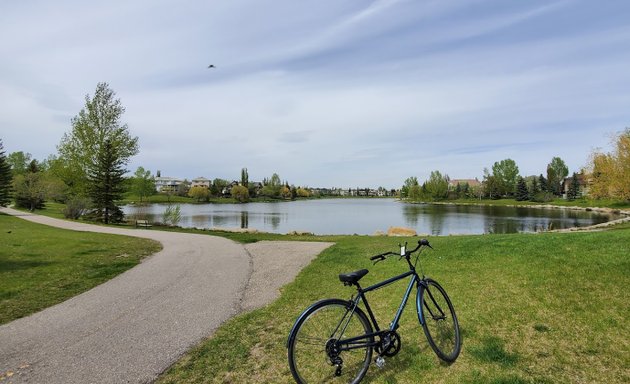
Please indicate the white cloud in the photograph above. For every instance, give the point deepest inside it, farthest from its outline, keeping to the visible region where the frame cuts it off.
(323, 93)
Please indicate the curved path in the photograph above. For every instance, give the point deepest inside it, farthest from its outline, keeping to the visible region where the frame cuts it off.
(133, 327)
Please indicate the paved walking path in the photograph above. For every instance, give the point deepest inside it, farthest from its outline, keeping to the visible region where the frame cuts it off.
(133, 327)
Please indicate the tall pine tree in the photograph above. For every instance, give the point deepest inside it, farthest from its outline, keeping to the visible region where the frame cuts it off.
(106, 184)
(574, 187)
(6, 179)
(543, 183)
(522, 193)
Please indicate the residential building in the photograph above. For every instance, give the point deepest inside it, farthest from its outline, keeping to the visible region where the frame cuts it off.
(583, 183)
(472, 183)
(201, 182)
(167, 184)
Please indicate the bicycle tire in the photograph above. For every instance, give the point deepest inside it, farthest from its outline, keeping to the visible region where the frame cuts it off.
(439, 321)
(308, 359)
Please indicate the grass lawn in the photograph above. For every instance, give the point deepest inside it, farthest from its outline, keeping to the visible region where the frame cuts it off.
(544, 308)
(41, 266)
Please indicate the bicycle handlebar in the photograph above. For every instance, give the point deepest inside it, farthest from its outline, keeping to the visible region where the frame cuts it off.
(383, 256)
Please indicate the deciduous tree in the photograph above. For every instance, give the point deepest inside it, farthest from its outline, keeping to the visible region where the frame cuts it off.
(142, 183)
(410, 183)
(199, 193)
(506, 174)
(556, 172)
(19, 162)
(437, 185)
(240, 193)
(611, 171)
(98, 122)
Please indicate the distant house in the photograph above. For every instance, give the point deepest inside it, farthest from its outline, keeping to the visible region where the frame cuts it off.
(583, 183)
(227, 191)
(167, 184)
(472, 183)
(201, 182)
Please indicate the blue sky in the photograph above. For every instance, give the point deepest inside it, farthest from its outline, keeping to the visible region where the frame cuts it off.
(324, 93)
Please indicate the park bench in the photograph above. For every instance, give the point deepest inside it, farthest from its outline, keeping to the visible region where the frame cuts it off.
(143, 224)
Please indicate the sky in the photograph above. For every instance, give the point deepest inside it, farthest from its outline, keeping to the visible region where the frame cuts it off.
(326, 93)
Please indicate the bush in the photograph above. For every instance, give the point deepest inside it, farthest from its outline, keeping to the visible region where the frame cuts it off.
(240, 193)
(172, 215)
(543, 197)
(76, 207)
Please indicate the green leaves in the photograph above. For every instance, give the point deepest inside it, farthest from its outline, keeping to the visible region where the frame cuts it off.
(98, 122)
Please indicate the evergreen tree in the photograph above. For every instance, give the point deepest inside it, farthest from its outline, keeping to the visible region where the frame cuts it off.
(574, 187)
(543, 183)
(6, 179)
(522, 193)
(535, 188)
(106, 184)
(99, 121)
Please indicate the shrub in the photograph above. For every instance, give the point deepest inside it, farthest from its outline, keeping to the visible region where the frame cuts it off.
(240, 193)
(172, 215)
(543, 197)
(76, 207)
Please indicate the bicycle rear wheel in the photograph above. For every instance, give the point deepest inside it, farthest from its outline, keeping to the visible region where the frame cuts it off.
(314, 356)
(438, 319)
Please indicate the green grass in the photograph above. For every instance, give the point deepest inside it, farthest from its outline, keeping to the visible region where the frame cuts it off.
(41, 266)
(545, 308)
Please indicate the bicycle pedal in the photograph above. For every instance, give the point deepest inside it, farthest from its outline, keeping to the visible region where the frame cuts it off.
(380, 362)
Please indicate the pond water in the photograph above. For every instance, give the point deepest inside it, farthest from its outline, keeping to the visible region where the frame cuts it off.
(366, 216)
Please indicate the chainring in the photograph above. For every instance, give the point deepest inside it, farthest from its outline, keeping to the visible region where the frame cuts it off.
(390, 344)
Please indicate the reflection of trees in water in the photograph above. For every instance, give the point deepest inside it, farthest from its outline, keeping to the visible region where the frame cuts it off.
(199, 221)
(244, 219)
(434, 214)
(436, 220)
(503, 225)
(273, 219)
(219, 220)
(412, 212)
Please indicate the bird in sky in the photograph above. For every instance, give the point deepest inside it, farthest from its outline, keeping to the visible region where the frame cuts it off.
(211, 66)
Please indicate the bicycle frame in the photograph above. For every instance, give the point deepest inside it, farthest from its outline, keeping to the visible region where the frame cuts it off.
(356, 342)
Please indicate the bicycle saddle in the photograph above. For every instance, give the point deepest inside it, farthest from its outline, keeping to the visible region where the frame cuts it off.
(352, 277)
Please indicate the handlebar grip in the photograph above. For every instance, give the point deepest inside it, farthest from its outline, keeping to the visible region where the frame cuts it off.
(376, 257)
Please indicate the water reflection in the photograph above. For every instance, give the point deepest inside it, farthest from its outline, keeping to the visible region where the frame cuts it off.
(365, 216)
(273, 219)
(244, 220)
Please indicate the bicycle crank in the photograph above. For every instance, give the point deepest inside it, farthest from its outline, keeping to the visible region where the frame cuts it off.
(390, 344)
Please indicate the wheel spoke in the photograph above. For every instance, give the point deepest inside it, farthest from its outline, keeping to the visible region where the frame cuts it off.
(315, 357)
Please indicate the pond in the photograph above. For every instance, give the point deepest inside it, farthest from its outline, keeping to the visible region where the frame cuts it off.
(367, 216)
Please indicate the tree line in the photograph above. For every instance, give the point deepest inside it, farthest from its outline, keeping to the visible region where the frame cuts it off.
(87, 173)
(244, 190)
(607, 175)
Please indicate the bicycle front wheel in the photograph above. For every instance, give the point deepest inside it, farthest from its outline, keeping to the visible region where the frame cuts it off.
(438, 319)
(316, 350)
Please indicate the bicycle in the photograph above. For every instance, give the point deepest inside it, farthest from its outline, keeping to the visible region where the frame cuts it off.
(334, 339)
